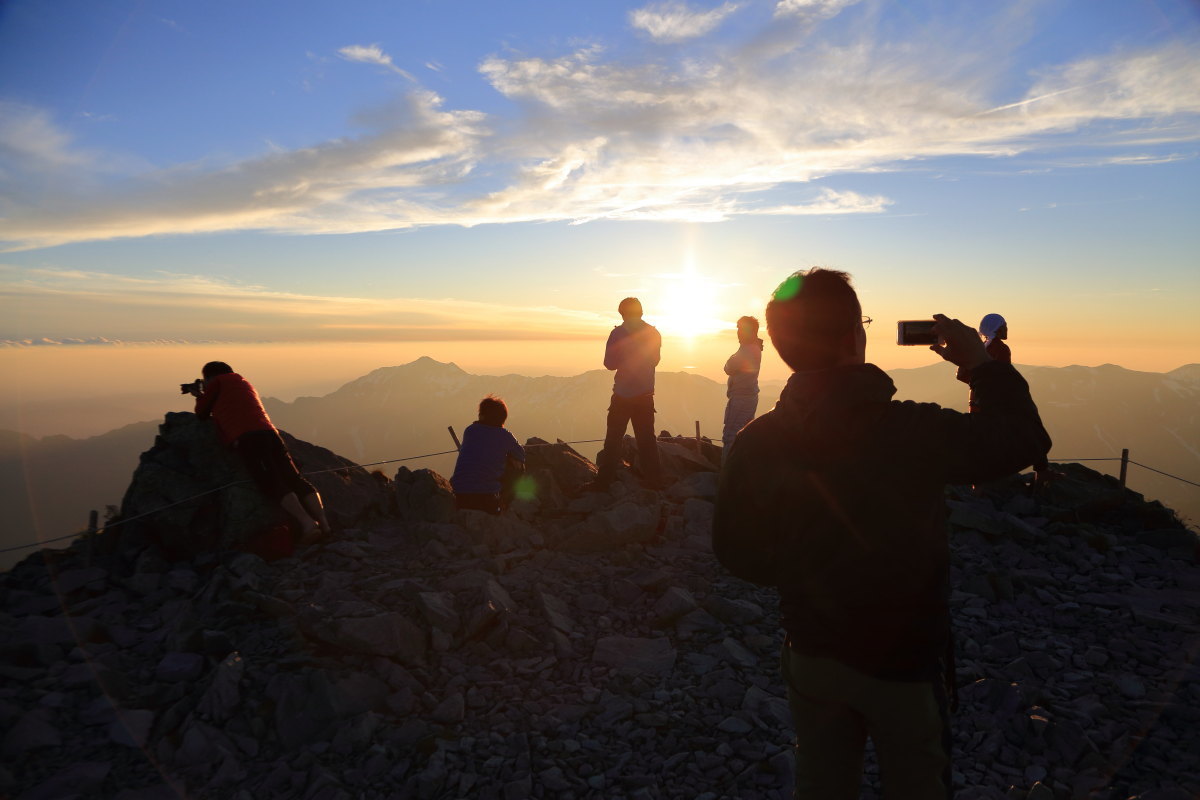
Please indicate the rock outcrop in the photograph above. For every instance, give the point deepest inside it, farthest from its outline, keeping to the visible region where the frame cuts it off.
(590, 647)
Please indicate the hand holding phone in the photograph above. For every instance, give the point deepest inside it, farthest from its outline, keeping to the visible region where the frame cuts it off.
(958, 343)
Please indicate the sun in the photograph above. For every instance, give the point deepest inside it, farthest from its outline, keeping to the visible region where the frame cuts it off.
(688, 306)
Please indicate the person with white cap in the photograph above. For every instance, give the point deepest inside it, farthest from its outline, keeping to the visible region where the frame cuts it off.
(994, 330)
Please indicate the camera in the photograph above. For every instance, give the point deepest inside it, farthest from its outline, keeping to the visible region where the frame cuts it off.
(916, 332)
(186, 388)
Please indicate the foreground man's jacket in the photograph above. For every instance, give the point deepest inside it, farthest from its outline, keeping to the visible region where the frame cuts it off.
(837, 497)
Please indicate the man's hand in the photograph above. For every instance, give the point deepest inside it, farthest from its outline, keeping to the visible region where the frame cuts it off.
(960, 345)
(196, 389)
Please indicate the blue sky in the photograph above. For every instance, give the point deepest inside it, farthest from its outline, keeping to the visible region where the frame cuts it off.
(290, 171)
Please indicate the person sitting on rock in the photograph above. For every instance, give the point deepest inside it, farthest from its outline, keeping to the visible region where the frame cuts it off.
(742, 393)
(243, 424)
(487, 449)
(837, 498)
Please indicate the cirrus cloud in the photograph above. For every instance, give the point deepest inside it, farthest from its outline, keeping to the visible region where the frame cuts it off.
(673, 21)
(671, 135)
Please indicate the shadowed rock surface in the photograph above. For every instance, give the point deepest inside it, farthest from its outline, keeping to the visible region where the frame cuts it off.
(428, 653)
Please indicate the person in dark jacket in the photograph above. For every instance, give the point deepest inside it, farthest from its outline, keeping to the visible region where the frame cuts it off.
(994, 330)
(633, 351)
(742, 392)
(243, 424)
(836, 498)
(486, 453)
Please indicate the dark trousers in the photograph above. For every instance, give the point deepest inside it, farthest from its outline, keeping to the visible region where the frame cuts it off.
(270, 465)
(622, 411)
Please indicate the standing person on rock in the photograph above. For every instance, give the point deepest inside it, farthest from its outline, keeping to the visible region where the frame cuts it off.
(742, 392)
(633, 351)
(243, 425)
(836, 497)
(487, 449)
(994, 330)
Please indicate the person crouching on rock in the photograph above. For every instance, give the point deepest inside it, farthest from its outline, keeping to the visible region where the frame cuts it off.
(487, 448)
(243, 424)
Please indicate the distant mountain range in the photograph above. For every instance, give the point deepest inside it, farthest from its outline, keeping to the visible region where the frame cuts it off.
(48, 485)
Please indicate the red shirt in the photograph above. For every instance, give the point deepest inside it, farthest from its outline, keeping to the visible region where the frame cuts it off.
(233, 405)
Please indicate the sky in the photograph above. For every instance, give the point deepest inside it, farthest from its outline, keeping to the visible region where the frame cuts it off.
(482, 182)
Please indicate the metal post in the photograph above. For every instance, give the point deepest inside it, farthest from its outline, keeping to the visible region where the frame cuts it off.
(697, 436)
(1124, 465)
(454, 436)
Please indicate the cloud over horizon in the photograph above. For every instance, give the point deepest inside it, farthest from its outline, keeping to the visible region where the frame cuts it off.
(98, 308)
(699, 135)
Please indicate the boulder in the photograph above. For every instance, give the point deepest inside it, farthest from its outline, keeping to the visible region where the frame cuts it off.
(423, 496)
(569, 470)
(190, 494)
(649, 656)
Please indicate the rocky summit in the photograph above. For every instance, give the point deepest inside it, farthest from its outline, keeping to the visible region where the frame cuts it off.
(586, 644)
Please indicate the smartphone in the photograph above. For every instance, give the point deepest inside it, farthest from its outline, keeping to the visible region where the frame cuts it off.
(916, 331)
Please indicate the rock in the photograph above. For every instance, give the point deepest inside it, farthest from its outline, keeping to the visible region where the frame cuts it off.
(177, 667)
(33, 731)
(80, 779)
(735, 611)
(423, 495)
(700, 485)
(451, 710)
(673, 604)
(438, 609)
(698, 516)
(556, 613)
(649, 656)
(131, 728)
(1131, 686)
(385, 634)
(623, 524)
(304, 707)
(221, 698)
(568, 469)
(73, 580)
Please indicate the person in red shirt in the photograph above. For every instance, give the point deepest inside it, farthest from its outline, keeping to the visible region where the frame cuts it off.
(243, 424)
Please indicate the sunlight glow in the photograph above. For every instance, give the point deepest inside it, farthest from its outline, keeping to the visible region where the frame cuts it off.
(688, 305)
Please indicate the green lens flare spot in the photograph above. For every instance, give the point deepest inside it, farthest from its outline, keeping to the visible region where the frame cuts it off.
(525, 488)
(789, 288)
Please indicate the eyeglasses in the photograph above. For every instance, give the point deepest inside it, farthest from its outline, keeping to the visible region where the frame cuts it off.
(866, 322)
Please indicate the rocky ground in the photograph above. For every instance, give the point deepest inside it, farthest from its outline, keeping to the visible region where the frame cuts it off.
(586, 645)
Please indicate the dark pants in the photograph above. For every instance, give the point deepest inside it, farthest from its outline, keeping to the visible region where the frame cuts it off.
(474, 501)
(270, 465)
(835, 708)
(622, 411)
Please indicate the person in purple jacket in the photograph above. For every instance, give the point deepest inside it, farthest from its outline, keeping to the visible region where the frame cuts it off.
(632, 351)
(487, 448)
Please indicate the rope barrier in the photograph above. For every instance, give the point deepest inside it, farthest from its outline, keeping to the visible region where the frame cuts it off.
(446, 453)
(1169, 475)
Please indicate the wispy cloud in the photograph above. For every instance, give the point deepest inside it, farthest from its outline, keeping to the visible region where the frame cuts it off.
(103, 307)
(812, 10)
(371, 54)
(674, 21)
(696, 136)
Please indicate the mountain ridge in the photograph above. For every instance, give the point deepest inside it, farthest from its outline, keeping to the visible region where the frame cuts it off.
(404, 410)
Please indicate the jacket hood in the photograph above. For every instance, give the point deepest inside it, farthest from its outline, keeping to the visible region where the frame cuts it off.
(828, 413)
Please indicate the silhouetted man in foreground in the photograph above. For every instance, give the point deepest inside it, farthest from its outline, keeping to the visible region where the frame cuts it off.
(633, 350)
(836, 498)
(243, 425)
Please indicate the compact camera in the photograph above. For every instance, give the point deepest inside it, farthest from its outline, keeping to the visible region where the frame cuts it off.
(916, 331)
(186, 388)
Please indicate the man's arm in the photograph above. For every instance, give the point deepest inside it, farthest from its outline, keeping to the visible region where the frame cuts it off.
(207, 398)
(657, 348)
(612, 351)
